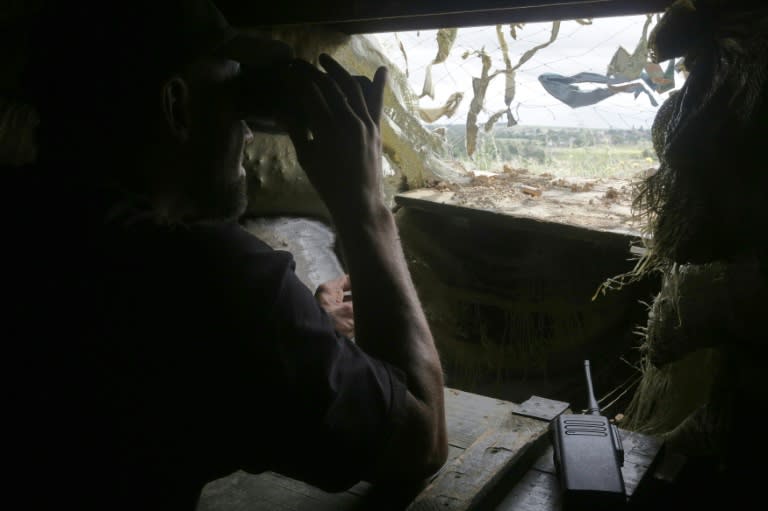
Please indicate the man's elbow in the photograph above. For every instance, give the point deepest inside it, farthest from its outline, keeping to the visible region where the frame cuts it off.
(436, 457)
(420, 448)
(431, 428)
(420, 465)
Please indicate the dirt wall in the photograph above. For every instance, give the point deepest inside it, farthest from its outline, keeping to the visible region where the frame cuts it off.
(511, 308)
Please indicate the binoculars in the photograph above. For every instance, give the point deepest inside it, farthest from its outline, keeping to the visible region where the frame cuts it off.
(264, 96)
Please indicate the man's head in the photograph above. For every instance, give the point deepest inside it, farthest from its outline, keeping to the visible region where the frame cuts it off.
(146, 96)
(196, 162)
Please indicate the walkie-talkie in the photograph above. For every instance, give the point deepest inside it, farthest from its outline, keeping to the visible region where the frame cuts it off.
(588, 456)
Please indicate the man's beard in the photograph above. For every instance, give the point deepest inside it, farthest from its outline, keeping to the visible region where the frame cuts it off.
(225, 201)
(203, 202)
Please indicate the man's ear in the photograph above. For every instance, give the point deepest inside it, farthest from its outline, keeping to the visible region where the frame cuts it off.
(176, 105)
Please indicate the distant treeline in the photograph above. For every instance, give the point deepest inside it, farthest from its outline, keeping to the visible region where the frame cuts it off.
(531, 142)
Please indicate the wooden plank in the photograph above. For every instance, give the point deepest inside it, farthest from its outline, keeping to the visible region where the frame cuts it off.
(441, 203)
(469, 415)
(536, 491)
(360, 489)
(363, 488)
(270, 491)
(363, 16)
(640, 455)
(545, 462)
(469, 480)
(496, 455)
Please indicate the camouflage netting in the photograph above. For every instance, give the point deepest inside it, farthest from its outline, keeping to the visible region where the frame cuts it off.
(707, 217)
(705, 202)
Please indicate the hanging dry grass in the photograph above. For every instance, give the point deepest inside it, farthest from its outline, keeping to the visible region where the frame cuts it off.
(704, 211)
(706, 201)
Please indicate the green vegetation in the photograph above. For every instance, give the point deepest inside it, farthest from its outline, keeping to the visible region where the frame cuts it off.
(563, 152)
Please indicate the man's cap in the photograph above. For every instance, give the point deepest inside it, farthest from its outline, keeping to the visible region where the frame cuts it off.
(79, 42)
(189, 29)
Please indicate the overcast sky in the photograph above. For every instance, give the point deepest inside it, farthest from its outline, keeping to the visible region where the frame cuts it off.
(578, 48)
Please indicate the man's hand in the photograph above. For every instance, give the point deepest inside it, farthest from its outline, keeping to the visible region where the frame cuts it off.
(337, 140)
(331, 297)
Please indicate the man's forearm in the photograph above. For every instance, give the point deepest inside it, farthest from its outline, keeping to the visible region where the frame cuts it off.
(390, 325)
(389, 320)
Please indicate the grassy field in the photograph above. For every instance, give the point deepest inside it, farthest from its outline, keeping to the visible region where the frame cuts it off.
(620, 161)
(562, 152)
(597, 161)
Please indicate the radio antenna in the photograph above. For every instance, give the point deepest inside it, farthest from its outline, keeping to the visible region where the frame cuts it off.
(593, 409)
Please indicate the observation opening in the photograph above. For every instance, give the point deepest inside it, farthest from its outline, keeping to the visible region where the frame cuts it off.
(550, 121)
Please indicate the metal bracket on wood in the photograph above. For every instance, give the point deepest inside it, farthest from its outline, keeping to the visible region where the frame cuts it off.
(540, 408)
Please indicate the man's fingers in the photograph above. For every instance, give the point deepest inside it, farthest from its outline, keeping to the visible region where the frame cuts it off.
(346, 309)
(343, 317)
(342, 283)
(348, 85)
(334, 291)
(346, 283)
(365, 87)
(311, 94)
(299, 135)
(373, 92)
(319, 110)
(312, 118)
(334, 98)
(376, 95)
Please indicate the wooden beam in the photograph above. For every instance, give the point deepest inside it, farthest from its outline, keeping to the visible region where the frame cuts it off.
(368, 16)
(492, 457)
(440, 203)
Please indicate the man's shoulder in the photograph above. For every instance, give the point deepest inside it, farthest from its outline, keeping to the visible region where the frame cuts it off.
(231, 248)
(233, 237)
(221, 240)
(228, 236)
(216, 255)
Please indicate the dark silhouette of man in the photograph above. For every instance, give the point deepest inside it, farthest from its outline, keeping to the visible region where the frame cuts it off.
(156, 345)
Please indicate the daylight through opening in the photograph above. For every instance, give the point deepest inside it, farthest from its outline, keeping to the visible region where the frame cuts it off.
(544, 120)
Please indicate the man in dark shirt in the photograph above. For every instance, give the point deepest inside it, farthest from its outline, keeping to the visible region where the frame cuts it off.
(163, 346)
